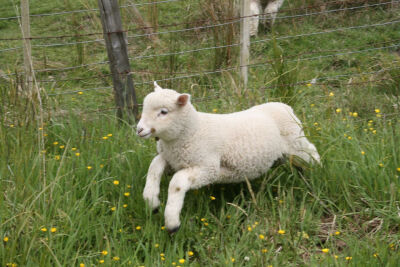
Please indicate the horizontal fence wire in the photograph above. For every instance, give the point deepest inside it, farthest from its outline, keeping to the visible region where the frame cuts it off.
(310, 81)
(88, 10)
(223, 46)
(187, 29)
(194, 28)
(174, 73)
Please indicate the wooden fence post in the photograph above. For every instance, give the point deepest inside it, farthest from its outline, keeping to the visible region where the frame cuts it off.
(244, 40)
(26, 43)
(114, 36)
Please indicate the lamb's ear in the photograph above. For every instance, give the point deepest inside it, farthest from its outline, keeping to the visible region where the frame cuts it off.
(157, 88)
(183, 99)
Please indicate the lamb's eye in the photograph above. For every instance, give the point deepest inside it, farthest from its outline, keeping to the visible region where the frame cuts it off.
(164, 111)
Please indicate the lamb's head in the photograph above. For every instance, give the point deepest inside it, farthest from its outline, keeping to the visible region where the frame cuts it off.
(165, 113)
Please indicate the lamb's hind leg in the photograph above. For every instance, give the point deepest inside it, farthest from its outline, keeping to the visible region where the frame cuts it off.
(181, 182)
(271, 11)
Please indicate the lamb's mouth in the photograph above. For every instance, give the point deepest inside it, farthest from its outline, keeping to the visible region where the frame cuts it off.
(145, 135)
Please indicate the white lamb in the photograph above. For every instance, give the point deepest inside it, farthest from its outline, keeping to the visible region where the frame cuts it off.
(270, 7)
(205, 148)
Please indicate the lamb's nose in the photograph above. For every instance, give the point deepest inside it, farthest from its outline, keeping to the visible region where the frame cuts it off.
(139, 130)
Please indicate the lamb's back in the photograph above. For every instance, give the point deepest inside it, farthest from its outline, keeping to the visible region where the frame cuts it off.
(248, 142)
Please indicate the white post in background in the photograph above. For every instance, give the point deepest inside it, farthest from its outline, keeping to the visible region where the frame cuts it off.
(26, 34)
(244, 40)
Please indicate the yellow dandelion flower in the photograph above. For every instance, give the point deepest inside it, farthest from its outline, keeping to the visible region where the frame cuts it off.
(77, 154)
(336, 256)
(82, 265)
(53, 229)
(232, 259)
(128, 186)
(163, 228)
(162, 255)
(249, 228)
(215, 110)
(212, 198)
(57, 157)
(116, 182)
(348, 258)
(62, 146)
(331, 94)
(281, 232)
(156, 245)
(261, 236)
(378, 115)
(337, 233)
(80, 93)
(264, 250)
(355, 114)
(101, 261)
(109, 135)
(377, 110)
(182, 261)
(105, 137)
(5, 239)
(305, 235)
(374, 131)
(116, 258)
(206, 224)
(349, 137)
(89, 167)
(101, 165)
(125, 205)
(127, 194)
(163, 258)
(338, 110)
(228, 216)
(104, 252)
(325, 250)
(55, 143)
(44, 229)
(375, 255)
(381, 165)
(12, 125)
(74, 148)
(190, 253)
(363, 152)
(138, 228)
(398, 169)
(45, 135)
(203, 219)
(309, 84)
(113, 208)
(312, 105)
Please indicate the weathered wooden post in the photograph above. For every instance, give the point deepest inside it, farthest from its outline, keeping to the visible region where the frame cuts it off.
(26, 44)
(244, 40)
(114, 36)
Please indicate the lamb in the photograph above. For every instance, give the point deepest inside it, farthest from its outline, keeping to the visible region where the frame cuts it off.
(270, 7)
(205, 148)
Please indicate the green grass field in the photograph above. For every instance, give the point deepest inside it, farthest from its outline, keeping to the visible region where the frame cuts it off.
(71, 176)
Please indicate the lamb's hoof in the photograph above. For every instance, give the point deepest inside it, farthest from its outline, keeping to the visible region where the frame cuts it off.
(156, 210)
(173, 230)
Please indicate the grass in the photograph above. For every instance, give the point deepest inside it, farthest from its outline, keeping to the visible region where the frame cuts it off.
(344, 212)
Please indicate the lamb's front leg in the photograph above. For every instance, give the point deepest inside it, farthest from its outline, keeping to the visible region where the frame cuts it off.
(152, 187)
(181, 182)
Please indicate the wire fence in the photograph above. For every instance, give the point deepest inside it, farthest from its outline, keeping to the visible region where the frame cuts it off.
(204, 25)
